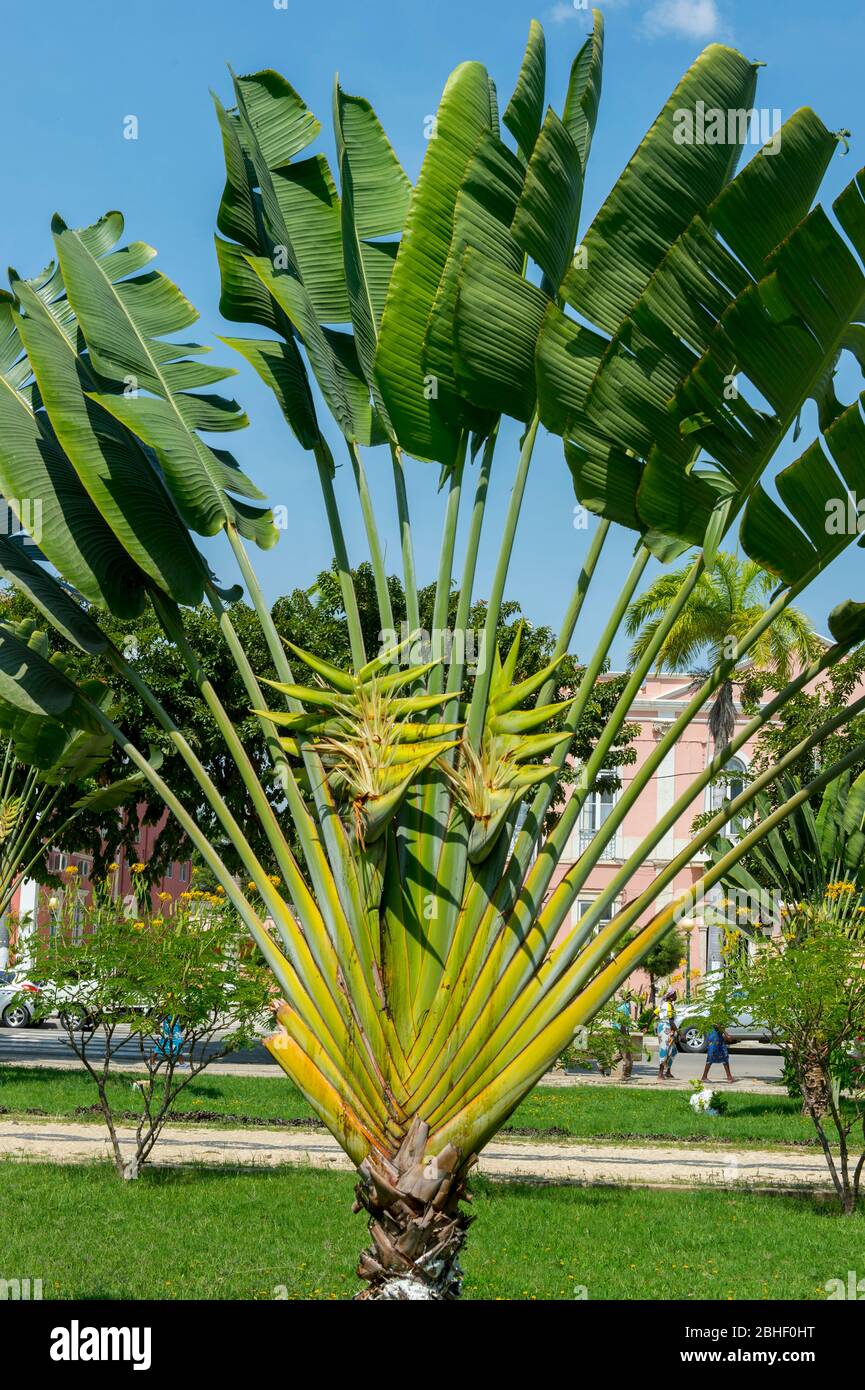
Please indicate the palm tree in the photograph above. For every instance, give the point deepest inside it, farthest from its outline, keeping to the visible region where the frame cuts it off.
(429, 975)
(724, 604)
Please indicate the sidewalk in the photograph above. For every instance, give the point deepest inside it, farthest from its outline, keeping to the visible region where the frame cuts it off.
(645, 1074)
(649, 1166)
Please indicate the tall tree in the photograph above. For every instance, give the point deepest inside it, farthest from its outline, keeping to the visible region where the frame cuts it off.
(430, 971)
(725, 603)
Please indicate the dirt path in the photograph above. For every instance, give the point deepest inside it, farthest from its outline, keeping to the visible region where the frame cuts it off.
(649, 1166)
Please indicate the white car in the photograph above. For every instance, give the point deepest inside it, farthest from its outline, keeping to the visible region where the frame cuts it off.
(17, 999)
(690, 1023)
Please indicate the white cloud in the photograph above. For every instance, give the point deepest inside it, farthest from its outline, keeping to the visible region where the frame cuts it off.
(683, 19)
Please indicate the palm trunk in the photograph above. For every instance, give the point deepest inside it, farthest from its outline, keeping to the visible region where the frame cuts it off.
(416, 1224)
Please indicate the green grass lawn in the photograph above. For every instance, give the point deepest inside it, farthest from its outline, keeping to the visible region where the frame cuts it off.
(214, 1233)
(584, 1112)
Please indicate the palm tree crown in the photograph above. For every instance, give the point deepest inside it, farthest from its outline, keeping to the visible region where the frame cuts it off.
(725, 602)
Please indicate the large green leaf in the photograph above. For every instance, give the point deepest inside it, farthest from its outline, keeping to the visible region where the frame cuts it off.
(624, 398)
(584, 89)
(485, 209)
(409, 395)
(332, 354)
(110, 462)
(375, 197)
(499, 317)
(46, 594)
(665, 184)
(288, 220)
(34, 469)
(524, 111)
(784, 334)
(280, 367)
(34, 683)
(124, 322)
(545, 222)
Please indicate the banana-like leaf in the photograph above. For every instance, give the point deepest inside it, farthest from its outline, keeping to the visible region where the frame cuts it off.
(46, 594)
(375, 197)
(72, 534)
(668, 180)
(462, 119)
(62, 754)
(124, 322)
(524, 111)
(114, 794)
(34, 682)
(483, 215)
(548, 213)
(290, 235)
(584, 90)
(110, 462)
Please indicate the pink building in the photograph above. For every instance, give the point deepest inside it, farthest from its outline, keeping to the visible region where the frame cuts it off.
(661, 699)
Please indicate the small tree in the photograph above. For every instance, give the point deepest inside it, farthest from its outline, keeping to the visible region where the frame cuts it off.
(809, 990)
(662, 960)
(185, 988)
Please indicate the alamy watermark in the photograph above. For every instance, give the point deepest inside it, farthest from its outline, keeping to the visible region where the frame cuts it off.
(22, 518)
(852, 1289)
(466, 646)
(712, 125)
(20, 1290)
(845, 516)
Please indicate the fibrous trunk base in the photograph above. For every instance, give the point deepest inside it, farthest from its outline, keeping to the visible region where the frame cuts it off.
(416, 1224)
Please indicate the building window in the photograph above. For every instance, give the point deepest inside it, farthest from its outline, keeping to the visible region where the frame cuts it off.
(727, 786)
(583, 905)
(596, 808)
(183, 872)
(169, 872)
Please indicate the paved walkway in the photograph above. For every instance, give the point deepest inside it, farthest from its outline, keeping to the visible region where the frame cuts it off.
(577, 1162)
(758, 1068)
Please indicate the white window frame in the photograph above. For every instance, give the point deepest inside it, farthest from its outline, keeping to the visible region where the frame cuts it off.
(718, 791)
(587, 900)
(582, 835)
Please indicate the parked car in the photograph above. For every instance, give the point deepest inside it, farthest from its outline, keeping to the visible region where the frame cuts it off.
(17, 999)
(690, 1022)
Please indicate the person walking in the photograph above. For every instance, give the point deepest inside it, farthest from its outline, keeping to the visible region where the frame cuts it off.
(667, 1035)
(623, 1028)
(717, 1051)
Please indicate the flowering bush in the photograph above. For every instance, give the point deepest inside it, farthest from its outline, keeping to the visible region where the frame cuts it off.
(177, 992)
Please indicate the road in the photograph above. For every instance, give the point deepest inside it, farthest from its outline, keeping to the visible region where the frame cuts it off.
(753, 1064)
(47, 1045)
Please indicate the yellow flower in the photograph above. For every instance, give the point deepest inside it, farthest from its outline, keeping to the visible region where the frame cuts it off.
(252, 886)
(220, 888)
(71, 869)
(165, 897)
(112, 868)
(186, 894)
(138, 868)
(138, 925)
(157, 921)
(273, 878)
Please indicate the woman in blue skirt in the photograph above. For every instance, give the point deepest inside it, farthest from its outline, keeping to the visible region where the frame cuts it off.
(717, 1051)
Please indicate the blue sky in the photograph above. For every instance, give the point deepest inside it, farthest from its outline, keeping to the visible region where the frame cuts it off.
(74, 72)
